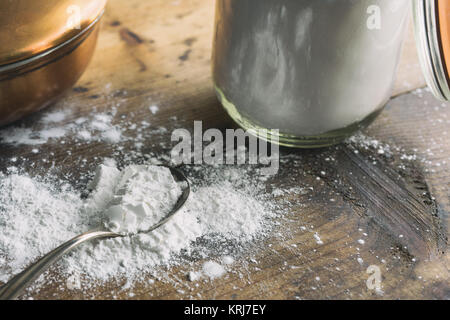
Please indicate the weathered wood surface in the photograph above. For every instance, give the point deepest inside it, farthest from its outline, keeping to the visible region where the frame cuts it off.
(159, 51)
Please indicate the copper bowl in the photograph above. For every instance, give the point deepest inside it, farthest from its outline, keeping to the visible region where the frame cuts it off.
(49, 44)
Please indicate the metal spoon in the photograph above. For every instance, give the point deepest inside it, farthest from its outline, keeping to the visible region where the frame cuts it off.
(14, 287)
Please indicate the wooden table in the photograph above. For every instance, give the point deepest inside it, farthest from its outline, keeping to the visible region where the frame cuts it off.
(159, 52)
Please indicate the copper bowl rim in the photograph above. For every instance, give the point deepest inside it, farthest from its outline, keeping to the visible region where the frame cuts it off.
(21, 63)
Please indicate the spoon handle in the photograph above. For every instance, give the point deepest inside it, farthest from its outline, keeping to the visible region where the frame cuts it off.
(14, 287)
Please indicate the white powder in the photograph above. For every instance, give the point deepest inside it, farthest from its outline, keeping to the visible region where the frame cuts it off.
(84, 134)
(35, 217)
(212, 269)
(227, 260)
(98, 128)
(137, 198)
(112, 135)
(73, 282)
(367, 143)
(154, 109)
(17, 135)
(56, 116)
(53, 133)
(194, 276)
(317, 238)
(227, 212)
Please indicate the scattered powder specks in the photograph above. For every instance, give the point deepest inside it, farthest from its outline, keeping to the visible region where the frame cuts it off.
(317, 238)
(56, 116)
(362, 141)
(85, 135)
(50, 128)
(17, 135)
(80, 120)
(112, 135)
(53, 133)
(99, 125)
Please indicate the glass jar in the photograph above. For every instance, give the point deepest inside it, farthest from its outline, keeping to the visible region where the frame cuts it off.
(315, 70)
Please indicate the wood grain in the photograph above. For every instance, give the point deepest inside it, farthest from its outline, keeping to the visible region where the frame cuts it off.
(158, 52)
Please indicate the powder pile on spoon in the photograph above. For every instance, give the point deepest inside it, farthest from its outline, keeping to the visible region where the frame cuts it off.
(136, 198)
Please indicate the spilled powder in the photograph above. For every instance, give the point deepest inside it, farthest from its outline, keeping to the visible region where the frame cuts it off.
(54, 117)
(54, 125)
(36, 216)
(62, 127)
